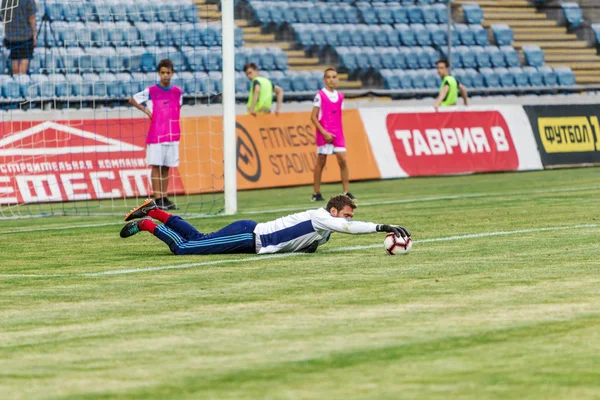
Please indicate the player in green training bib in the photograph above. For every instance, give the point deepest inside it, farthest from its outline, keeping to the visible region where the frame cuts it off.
(449, 88)
(261, 92)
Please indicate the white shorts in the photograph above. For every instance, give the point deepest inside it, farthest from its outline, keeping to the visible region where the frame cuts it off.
(329, 149)
(163, 154)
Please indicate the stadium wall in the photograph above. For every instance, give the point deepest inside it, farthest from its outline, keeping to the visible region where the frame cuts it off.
(107, 156)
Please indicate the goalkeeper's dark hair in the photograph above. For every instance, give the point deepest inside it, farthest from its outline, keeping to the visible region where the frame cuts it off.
(166, 63)
(340, 201)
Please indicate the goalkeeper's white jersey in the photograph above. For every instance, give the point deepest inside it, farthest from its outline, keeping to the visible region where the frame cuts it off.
(297, 232)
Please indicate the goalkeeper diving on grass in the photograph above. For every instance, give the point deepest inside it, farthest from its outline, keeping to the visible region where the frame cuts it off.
(302, 232)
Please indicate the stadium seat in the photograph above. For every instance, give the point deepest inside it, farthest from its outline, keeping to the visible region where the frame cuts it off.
(549, 76)
(400, 15)
(565, 75)
(367, 14)
(480, 34)
(475, 77)
(490, 77)
(429, 14)
(45, 88)
(462, 77)
(439, 35)
(467, 56)
(467, 36)
(573, 14)
(473, 13)
(520, 76)
(418, 78)
(482, 57)
(415, 15)
(442, 13)
(534, 56)
(534, 76)
(496, 56)
(507, 78)
(422, 35)
(411, 56)
(407, 35)
(510, 56)
(390, 80)
(596, 29)
(503, 35)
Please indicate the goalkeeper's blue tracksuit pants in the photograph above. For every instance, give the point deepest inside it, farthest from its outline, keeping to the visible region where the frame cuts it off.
(182, 238)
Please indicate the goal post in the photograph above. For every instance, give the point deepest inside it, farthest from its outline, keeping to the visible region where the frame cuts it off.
(70, 142)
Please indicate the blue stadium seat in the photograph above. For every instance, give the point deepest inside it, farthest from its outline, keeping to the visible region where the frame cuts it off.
(114, 88)
(507, 79)
(565, 75)
(367, 13)
(124, 79)
(503, 35)
(467, 36)
(392, 35)
(374, 58)
(303, 13)
(549, 76)
(405, 79)
(482, 57)
(399, 59)
(368, 35)
(473, 13)
(534, 56)
(384, 16)
(511, 56)
(45, 86)
(411, 56)
(520, 76)
(147, 33)
(61, 87)
(347, 59)
(429, 14)
(432, 79)
(55, 10)
(442, 13)
(496, 56)
(391, 81)
(462, 77)
(214, 60)
(490, 77)
(388, 58)
(573, 14)
(480, 35)
(71, 59)
(400, 14)
(476, 78)
(596, 29)
(439, 35)
(534, 76)
(418, 78)
(421, 34)
(467, 56)
(407, 35)
(137, 83)
(415, 15)
(430, 57)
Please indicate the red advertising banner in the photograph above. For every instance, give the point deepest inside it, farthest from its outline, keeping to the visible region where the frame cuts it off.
(74, 160)
(439, 143)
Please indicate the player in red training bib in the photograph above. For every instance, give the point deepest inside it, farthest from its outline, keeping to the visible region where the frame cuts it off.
(327, 118)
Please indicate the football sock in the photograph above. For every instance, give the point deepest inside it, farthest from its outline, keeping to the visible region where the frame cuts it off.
(160, 215)
(147, 225)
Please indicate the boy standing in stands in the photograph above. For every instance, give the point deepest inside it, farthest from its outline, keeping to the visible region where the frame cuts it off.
(327, 118)
(162, 142)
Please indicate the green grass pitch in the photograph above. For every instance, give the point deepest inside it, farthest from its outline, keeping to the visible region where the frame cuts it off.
(499, 299)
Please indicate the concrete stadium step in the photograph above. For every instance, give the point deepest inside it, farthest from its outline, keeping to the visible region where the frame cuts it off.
(571, 57)
(259, 37)
(537, 29)
(202, 14)
(302, 61)
(510, 10)
(494, 3)
(583, 80)
(251, 29)
(522, 37)
(295, 53)
(579, 67)
(554, 45)
(567, 53)
(208, 7)
(512, 16)
(587, 73)
(517, 23)
(306, 67)
(281, 45)
(342, 85)
(242, 22)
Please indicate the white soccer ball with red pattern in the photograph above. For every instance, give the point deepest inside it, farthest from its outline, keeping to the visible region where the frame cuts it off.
(395, 245)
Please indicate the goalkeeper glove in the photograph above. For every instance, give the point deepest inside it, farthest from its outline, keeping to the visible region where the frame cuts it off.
(398, 230)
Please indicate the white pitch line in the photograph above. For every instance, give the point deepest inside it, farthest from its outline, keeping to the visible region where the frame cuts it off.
(286, 255)
(374, 203)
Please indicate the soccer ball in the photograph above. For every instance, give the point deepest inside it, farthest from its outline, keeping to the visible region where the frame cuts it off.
(396, 245)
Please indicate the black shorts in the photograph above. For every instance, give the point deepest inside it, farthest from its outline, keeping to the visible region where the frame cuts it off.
(20, 50)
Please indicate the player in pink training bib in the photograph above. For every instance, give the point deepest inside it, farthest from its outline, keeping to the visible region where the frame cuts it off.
(162, 141)
(327, 118)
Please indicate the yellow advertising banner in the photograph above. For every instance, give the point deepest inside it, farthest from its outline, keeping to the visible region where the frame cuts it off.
(272, 151)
